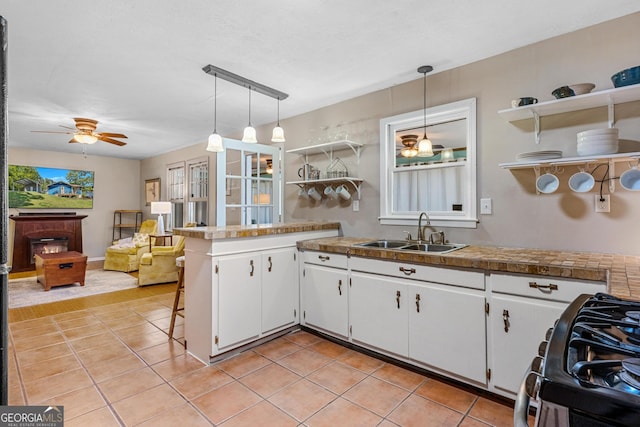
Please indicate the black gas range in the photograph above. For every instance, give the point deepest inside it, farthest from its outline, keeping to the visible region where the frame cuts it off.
(587, 372)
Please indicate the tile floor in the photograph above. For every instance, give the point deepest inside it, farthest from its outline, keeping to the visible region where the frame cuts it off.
(113, 365)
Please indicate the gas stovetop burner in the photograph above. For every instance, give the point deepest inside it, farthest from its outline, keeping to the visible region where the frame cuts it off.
(630, 373)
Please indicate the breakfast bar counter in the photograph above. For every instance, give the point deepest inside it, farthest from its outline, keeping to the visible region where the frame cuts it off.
(620, 272)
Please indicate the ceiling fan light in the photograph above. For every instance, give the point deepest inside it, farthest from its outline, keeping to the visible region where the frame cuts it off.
(85, 139)
(215, 143)
(249, 135)
(425, 148)
(278, 134)
(409, 152)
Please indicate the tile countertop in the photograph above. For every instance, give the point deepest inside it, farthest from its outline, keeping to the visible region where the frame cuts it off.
(244, 231)
(622, 271)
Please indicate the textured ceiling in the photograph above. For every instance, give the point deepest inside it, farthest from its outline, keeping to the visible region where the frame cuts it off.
(136, 66)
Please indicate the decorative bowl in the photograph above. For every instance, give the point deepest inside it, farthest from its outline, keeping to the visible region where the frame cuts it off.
(563, 92)
(582, 88)
(628, 77)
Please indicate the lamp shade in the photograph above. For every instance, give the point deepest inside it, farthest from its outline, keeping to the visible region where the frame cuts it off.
(278, 134)
(160, 208)
(425, 148)
(215, 143)
(249, 135)
(85, 139)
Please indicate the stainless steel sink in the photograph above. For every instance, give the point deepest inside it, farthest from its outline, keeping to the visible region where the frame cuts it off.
(384, 244)
(432, 247)
(412, 246)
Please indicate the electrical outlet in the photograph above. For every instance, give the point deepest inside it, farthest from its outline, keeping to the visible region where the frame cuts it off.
(603, 205)
(485, 207)
(356, 205)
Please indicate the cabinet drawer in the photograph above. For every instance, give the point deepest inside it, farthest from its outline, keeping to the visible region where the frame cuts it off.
(324, 258)
(449, 276)
(543, 287)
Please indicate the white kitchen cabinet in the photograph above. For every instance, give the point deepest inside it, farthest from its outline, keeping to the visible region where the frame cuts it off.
(522, 309)
(378, 312)
(324, 298)
(447, 329)
(279, 288)
(239, 298)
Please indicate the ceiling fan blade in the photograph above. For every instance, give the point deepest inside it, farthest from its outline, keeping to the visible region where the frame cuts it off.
(67, 127)
(112, 135)
(52, 131)
(73, 141)
(111, 141)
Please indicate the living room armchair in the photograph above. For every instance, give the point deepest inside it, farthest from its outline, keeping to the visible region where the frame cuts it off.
(124, 255)
(159, 265)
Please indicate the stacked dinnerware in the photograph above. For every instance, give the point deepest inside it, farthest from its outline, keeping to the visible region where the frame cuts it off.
(598, 141)
(535, 156)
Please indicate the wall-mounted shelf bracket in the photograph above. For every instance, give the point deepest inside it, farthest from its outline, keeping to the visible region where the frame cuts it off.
(536, 118)
(536, 169)
(611, 112)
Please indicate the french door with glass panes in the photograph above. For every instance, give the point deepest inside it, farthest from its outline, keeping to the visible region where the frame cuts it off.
(251, 190)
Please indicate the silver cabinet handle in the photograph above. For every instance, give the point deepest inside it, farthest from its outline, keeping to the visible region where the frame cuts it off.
(398, 298)
(270, 264)
(417, 303)
(340, 287)
(323, 258)
(505, 319)
(252, 268)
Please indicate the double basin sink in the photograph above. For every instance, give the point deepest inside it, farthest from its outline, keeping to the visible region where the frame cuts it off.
(412, 246)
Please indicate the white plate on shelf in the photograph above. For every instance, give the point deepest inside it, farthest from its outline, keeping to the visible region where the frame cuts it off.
(539, 155)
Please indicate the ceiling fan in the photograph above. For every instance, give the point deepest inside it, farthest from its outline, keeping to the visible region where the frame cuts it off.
(85, 133)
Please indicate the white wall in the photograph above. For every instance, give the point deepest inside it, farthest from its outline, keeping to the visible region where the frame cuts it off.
(117, 185)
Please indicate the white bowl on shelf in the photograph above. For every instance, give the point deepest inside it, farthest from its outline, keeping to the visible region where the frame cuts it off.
(597, 151)
(582, 88)
(598, 132)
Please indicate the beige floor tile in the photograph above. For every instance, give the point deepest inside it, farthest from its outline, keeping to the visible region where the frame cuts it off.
(302, 399)
(56, 385)
(38, 341)
(376, 395)
(148, 404)
(87, 342)
(77, 402)
(102, 353)
(328, 349)
(150, 339)
(54, 366)
(399, 376)
(134, 382)
(269, 379)
(263, 414)
(80, 322)
(491, 412)
(243, 364)
(200, 381)
(304, 362)
(183, 415)
(85, 331)
(361, 362)
(26, 358)
(302, 338)
(224, 402)
(337, 377)
(102, 417)
(341, 412)
(15, 395)
(417, 411)
(31, 324)
(101, 371)
(447, 395)
(35, 330)
(161, 352)
(178, 366)
(136, 330)
(72, 315)
(277, 349)
(127, 321)
(472, 422)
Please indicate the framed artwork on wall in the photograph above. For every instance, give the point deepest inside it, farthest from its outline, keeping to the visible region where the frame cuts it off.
(152, 190)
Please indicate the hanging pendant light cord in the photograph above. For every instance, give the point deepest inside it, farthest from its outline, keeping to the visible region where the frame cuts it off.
(249, 105)
(215, 103)
(278, 112)
(424, 102)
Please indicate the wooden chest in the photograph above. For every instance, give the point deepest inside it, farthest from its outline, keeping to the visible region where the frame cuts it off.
(62, 268)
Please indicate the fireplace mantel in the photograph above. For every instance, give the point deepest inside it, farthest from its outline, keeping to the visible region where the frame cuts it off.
(42, 225)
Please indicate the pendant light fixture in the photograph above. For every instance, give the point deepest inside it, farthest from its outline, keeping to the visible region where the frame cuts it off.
(215, 140)
(425, 148)
(278, 132)
(249, 135)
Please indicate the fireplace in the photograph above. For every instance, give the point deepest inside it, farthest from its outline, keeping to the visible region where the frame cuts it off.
(35, 232)
(47, 245)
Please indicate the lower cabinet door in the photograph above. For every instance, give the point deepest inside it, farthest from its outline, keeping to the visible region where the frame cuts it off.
(447, 329)
(279, 288)
(238, 298)
(518, 326)
(378, 312)
(324, 299)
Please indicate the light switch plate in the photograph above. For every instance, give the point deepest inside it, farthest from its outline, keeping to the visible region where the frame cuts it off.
(486, 207)
(356, 205)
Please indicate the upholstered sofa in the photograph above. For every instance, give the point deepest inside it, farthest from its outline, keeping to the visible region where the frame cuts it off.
(124, 255)
(159, 265)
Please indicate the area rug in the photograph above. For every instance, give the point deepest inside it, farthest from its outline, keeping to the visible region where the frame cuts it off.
(27, 291)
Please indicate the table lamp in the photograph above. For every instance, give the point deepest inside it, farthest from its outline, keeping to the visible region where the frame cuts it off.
(160, 208)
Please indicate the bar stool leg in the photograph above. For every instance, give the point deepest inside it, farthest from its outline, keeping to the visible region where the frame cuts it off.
(176, 301)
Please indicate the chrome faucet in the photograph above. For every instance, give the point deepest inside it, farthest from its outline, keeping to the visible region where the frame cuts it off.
(420, 227)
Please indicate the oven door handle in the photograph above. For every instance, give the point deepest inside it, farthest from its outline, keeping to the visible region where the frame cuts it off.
(521, 406)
